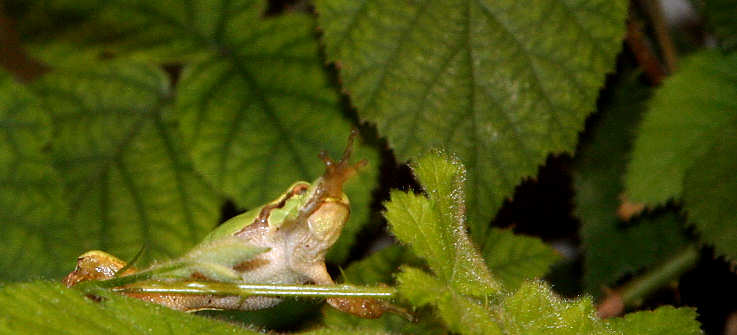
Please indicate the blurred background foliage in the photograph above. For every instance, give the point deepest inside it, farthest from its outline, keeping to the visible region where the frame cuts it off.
(602, 130)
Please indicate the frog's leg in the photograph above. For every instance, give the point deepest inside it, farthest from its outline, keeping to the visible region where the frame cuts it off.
(361, 307)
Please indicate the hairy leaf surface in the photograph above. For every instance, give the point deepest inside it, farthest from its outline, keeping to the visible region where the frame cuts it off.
(434, 226)
(48, 308)
(457, 311)
(662, 321)
(500, 83)
(470, 307)
(535, 309)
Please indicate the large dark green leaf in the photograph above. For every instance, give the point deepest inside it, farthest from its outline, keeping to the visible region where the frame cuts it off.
(254, 102)
(35, 239)
(686, 117)
(710, 194)
(500, 83)
(127, 181)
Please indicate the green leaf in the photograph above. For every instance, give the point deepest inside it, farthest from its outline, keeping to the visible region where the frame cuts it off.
(662, 321)
(597, 176)
(255, 105)
(35, 240)
(349, 331)
(534, 309)
(720, 18)
(684, 121)
(50, 308)
(501, 84)
(380, 267)
(710, 193)
(434, 226)
(289, 314)
(514, 258)
(127, 180)
(461, 314)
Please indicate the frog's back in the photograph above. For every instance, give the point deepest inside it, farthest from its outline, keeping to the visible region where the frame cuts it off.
(234, 225)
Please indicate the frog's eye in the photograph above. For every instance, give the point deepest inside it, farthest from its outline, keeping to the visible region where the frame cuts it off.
(300, 189)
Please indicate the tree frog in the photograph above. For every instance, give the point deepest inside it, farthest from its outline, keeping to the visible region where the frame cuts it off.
(281, 242)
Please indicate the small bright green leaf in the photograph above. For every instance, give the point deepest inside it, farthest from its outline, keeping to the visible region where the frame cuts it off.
(34, 238)
(461, 314)
(50, 308)
(535, 309)
(720, 18)
(255, 106)
(710, 194)
(665, 320)
(434, 226)
(500, 83)
(514, 258)
(599, 167)
(684, 121)
(127, 180)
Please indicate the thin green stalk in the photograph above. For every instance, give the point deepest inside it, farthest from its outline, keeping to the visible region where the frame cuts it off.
(245, 290)
(659, 276)
(633, 292)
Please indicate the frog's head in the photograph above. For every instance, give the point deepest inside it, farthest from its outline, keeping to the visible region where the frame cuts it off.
(326, 208)
(95, 265)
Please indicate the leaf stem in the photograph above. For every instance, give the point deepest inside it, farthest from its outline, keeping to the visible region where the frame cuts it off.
(13, 58)
(660, 275)
(654, 10)
(644, 55)
(245, 290)
(633, 292)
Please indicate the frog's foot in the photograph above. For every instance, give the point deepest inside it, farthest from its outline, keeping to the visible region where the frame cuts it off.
(337, 173)
(95, 265)
(360, 307)
(368, 308)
